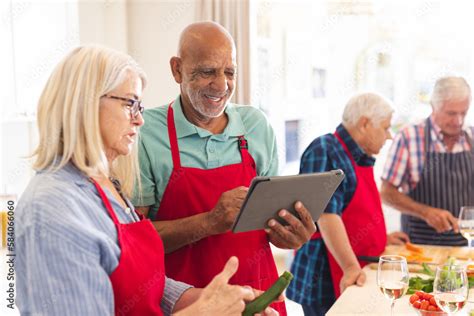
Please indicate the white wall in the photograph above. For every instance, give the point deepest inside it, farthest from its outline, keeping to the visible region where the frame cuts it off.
(156, 27)
(147, 30)
(35, 36)
(103, 22)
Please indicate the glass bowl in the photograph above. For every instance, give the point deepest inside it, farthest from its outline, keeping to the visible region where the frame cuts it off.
(429, 313)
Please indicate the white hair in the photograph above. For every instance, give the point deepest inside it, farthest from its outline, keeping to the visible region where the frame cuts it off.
(68, 114)
(450, 89)
(371, 105)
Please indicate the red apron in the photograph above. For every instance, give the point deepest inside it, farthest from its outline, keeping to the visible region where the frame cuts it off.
(192, 191)
(139, 279)
(363, 220)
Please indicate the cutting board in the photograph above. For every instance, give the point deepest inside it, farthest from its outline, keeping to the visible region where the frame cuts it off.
(438, 254)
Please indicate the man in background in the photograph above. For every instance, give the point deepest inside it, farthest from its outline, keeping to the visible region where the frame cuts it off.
(429, 172)
(352, 224)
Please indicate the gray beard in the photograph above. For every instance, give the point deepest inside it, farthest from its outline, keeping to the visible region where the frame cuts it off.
(200, 108)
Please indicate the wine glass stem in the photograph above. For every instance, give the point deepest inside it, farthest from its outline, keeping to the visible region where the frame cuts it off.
(391, 307)
(469, 248)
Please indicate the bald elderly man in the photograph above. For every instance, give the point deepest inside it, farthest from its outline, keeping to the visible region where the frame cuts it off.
(198, 155)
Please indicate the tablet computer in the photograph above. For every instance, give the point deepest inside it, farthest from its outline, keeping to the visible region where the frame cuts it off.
(268, 195)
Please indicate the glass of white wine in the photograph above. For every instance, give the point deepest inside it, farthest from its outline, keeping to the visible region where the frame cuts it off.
(451, 288)
(392, 277)
(466, 224)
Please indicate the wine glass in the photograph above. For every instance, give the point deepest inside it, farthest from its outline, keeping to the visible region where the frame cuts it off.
(392, 277)
(451, 288)
(466, 224)
(466, 228)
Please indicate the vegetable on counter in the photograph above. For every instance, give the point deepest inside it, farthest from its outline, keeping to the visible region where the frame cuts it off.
(415, 253)
(270, 295)
(414, 248)
(421, 284)
(424, 301)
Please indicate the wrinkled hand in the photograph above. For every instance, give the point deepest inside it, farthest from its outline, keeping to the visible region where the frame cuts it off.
(352, 275)
(297, 233)
(397, 238)
(220, 298)
(441, 220)
(222, 216)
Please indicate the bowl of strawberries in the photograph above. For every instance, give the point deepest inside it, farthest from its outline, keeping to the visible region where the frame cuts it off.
(425, 304)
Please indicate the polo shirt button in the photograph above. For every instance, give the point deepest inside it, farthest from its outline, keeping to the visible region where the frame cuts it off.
(211, 150)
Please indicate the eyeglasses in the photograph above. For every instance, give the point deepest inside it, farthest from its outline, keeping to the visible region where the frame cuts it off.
(134, 106)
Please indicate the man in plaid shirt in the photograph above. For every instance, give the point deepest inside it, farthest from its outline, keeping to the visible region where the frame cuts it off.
(429, 172)
(352, 224)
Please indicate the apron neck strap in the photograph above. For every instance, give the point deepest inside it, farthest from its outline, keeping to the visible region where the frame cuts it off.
(241, 141)
(427, 145)
(469, 139)
(338, 137)
(244, 149)
(173, 138)
(106, 202)
(428, 141)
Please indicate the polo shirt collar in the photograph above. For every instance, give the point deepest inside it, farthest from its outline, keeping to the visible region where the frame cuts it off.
(439, 134)
(360, 157)
(72, 172)
(184, 128)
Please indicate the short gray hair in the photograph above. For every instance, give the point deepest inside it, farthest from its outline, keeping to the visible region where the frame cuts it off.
(450, 89)
(371, 105)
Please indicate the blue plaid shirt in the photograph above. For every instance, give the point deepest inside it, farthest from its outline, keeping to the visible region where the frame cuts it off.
(312, 283)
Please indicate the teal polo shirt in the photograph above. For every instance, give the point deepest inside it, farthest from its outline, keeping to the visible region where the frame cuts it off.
(199, 148)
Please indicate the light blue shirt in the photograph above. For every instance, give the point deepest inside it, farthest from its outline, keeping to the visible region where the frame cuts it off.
(66, 248)
(199, 148)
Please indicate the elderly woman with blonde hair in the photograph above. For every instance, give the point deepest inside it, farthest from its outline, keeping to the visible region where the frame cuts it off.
(81, 248)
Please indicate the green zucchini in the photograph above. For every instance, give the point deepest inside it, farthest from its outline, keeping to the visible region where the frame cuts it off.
(261, 302)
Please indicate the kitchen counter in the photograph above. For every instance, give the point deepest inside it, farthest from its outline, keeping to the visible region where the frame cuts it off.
(368, 300)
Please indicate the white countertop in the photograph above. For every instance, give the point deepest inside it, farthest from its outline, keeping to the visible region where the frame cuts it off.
(368, 300)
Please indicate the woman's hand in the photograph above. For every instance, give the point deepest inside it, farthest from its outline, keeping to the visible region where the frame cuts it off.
(220, 298)
(268, 311)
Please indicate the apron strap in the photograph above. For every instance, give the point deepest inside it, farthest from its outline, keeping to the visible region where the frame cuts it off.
(173, 138)
(241, 141)
(469, 140)
(428, 141)
(243, 145)
(344, 146)
(106, 202)
(244, 150)
(427, 144)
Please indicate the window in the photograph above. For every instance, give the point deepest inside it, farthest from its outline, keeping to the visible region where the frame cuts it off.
(35, 36)
(291, 141)
(317, 54)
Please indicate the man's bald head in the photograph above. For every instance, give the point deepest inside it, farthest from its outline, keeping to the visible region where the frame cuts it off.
(205, 69)
(204, 35)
